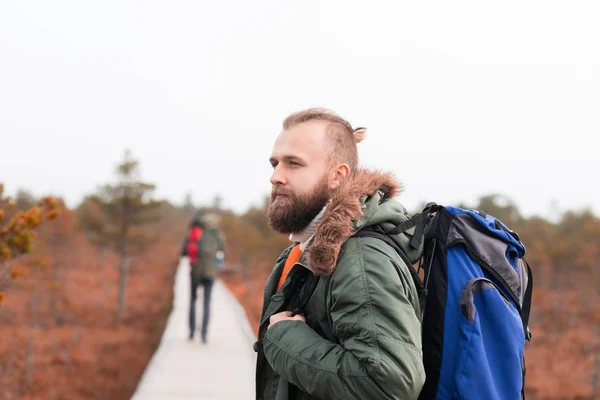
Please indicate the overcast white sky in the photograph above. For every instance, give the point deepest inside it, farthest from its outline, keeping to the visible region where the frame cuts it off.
(504, 93)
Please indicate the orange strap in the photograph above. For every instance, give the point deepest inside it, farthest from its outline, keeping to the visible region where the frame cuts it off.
(289, 263)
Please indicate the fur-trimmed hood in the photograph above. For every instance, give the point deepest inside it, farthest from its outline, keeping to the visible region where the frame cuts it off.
(362, 200)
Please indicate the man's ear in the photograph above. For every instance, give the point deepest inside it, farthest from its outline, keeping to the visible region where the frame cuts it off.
(337, 175)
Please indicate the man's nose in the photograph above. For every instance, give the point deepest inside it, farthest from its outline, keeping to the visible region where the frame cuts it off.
(278, 177)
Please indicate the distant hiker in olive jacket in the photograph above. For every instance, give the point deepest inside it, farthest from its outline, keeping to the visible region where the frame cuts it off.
(341, 315)
(202, 245)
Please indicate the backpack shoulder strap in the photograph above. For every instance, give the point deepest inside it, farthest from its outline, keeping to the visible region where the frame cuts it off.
(526, 307)
(419, 222)
(416, 278)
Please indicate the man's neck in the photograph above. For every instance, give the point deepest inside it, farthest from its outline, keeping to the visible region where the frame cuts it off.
(307, 233)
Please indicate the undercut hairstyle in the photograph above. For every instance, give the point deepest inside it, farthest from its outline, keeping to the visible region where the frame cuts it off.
(341, 138)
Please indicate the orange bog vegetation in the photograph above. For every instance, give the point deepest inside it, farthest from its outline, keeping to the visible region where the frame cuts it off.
(61, 338)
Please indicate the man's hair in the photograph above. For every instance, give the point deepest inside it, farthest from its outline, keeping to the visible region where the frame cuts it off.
(340, 139)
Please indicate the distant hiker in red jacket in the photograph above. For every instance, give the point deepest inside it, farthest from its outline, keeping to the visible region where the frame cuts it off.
(204, 247)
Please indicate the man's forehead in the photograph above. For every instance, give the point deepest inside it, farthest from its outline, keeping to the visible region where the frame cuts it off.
(302, 140)
(285, 149)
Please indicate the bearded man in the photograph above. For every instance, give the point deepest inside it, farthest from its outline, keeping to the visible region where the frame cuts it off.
(341, 315)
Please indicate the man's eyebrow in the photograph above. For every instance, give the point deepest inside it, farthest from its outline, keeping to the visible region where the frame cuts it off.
(287, 158)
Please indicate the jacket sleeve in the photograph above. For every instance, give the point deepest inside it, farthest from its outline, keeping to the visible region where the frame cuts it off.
(379, 352)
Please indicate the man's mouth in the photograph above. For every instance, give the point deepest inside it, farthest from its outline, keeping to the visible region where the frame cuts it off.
(280, 196)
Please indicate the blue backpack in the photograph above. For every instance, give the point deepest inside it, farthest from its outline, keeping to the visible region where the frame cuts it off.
(475, 297)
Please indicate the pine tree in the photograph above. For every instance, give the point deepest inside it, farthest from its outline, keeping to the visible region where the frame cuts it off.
(115, 217)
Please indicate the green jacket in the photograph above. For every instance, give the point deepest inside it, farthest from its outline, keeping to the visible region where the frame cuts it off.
(362, 338)
(209, 244)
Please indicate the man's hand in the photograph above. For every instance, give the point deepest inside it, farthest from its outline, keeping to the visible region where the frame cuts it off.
(285, 316)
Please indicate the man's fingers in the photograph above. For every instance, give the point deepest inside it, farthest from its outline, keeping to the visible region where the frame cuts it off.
(285, 315)
(280, 316)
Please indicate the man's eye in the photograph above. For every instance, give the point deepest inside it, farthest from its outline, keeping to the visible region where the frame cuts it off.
(294, 163)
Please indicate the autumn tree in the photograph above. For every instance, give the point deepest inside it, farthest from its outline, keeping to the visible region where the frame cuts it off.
(17, 224)
(118, 216)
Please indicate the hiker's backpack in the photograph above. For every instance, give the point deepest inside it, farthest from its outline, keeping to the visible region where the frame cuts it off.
(208, 248)
(476, 298)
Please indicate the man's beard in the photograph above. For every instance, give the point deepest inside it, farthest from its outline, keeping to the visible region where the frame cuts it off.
(293, 213)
